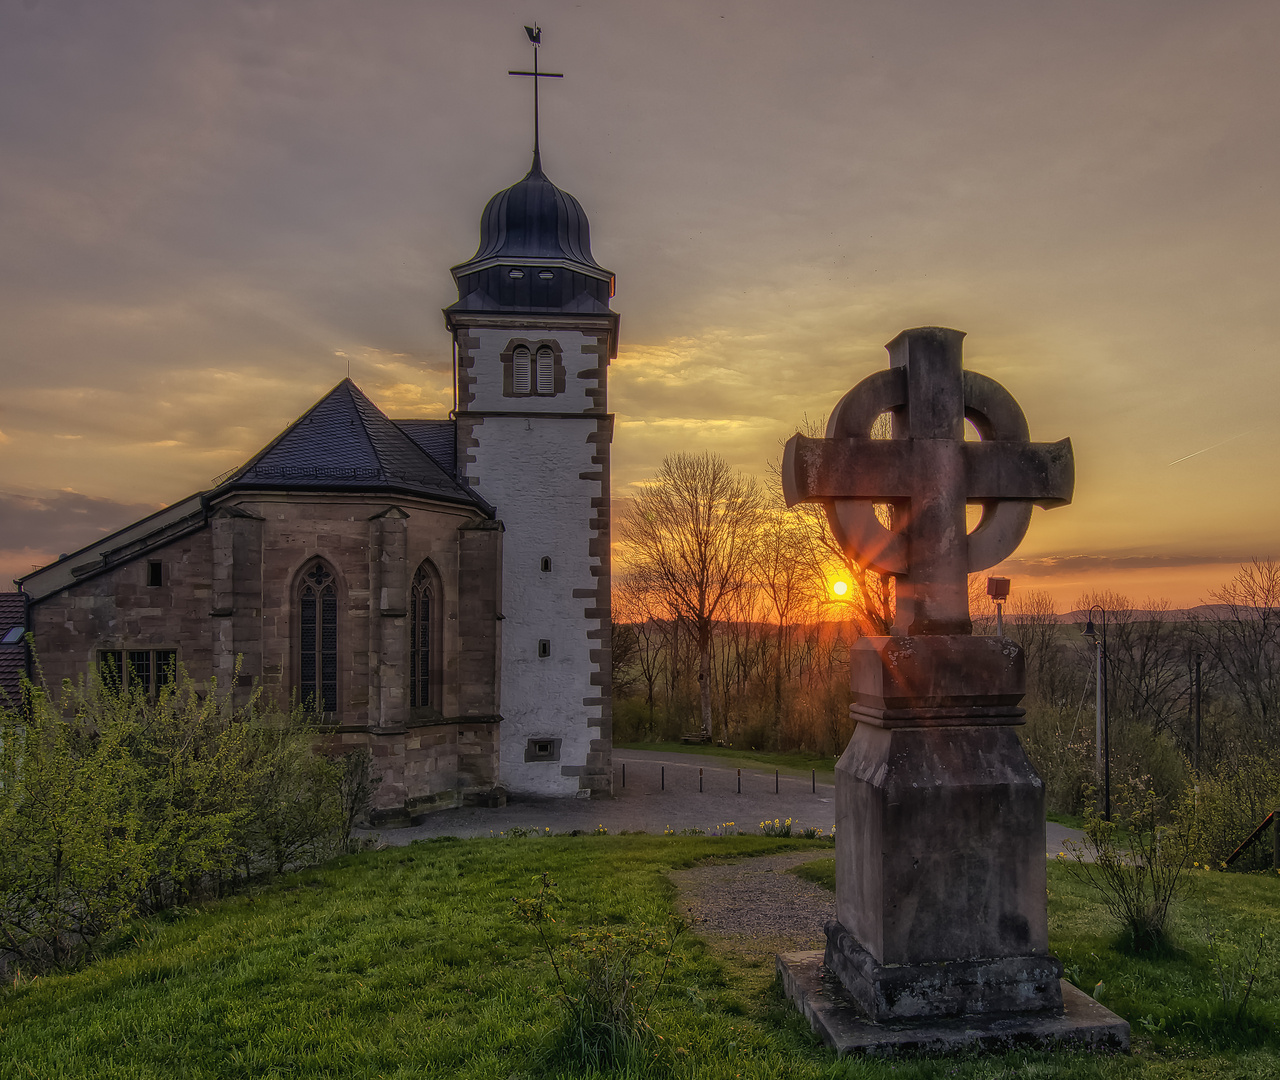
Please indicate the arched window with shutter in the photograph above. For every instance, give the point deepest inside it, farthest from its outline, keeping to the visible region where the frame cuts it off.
(546, 371)
(318, 638)
(520, 370)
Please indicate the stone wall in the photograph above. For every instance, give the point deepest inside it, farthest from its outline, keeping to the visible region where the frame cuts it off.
(228, 596)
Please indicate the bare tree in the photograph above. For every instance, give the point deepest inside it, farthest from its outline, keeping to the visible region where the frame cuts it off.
(871, 599)
(788, 574)
(1033, 622)
(1146, 660)
(1242, 637)
(633, 608)
(690, 532)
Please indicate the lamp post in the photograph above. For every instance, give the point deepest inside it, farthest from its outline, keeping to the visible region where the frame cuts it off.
(998, 590)
(1198, 659)
(1102, 733)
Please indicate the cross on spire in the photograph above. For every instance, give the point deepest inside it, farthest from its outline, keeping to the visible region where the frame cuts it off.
(535, 39)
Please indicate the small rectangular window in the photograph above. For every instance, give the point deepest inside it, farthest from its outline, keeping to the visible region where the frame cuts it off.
(147, 671)
(111, 668)
(155, 574)
(166, 668)
(544, 648)
(546, 564)
(140, 671)
(539, 749)
(13, 636)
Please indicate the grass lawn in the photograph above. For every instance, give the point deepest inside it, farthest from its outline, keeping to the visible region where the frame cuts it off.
(796, 763)
(408, 963)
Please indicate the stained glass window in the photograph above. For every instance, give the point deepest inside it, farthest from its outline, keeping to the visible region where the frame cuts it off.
(420, 640)
(318, 640)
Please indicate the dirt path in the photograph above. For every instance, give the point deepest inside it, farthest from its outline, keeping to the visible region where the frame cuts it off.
(755, 905)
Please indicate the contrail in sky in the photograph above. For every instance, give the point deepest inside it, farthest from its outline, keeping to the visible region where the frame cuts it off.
(1215, 446)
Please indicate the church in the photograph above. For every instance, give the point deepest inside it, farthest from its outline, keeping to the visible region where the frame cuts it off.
(434, 590)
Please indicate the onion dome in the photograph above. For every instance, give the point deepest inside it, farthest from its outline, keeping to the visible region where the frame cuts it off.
(534, 254)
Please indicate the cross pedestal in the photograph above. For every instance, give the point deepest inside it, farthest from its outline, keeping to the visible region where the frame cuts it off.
(940, 853)
(941, 935)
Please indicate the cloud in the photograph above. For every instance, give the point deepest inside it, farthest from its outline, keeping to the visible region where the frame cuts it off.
(1060, 565)
(38, 526)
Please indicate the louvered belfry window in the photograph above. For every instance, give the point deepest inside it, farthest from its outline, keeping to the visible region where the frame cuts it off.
(420, 641)
(318, 640)
(546, 371)
(520, 370)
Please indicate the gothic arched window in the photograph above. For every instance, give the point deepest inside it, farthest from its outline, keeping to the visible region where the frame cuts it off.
(318, 639)
(422, 613)
(520, 370)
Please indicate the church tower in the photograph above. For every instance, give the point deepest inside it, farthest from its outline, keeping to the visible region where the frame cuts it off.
(533, 336)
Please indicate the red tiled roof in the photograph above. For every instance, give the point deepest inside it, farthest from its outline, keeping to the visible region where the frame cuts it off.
(13, 658)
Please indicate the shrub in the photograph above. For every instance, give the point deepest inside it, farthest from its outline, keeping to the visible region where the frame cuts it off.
(1137, 883)
(114, 804)
(603, 974)
(1228, 802)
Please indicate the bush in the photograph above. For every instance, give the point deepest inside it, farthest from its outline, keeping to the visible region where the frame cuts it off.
(1060, 746)
(113, 804)
(1136, 883)
(603, 974)
(1228, 803)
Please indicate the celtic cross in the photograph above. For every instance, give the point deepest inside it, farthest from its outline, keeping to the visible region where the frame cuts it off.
(927, 473)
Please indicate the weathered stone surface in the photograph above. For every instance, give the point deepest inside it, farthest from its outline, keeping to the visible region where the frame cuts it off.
(940, 845)
(944, 679)
(1082, 1024)
(944, 988)
(229, 594)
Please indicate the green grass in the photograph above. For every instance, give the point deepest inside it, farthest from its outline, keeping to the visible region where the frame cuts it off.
(408, 963)
(1074, 821)
(789, 763)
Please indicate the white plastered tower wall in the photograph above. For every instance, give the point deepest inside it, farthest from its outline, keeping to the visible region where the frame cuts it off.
(543, 462)
(533, 336)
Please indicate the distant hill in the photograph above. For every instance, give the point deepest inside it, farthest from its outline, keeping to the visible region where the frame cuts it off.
(1204, 611)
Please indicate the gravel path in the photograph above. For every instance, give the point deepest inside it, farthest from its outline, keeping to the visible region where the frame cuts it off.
(757, 900)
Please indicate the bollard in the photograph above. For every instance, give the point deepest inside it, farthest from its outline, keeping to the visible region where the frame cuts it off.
(775, 781)
(815, 781)
(699, 781)
(664, 778)
(739, 781)
(624, 774)
(1275, 839)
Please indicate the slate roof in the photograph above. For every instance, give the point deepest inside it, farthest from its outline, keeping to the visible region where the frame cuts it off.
(534, 219)
(534, 255)
(13, 658)
(438, 439)
(346, 443)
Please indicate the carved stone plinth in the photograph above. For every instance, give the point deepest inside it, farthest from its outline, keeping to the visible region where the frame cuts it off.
(940, 863)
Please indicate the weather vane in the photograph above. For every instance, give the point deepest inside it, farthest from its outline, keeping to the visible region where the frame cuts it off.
(535, 39)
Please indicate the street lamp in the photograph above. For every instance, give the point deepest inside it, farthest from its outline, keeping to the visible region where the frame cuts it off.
(1102, 735)
(998, 590)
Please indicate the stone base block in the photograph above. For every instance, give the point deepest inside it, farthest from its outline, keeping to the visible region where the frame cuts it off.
(1006, 984)
(1082, 1025)
(492, 798)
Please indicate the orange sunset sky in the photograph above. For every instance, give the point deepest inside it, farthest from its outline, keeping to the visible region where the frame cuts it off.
(210, 210)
